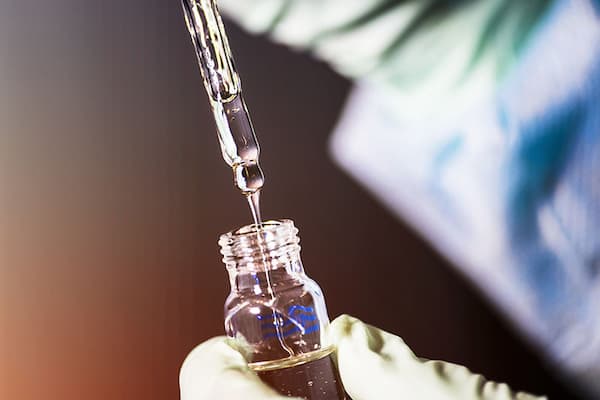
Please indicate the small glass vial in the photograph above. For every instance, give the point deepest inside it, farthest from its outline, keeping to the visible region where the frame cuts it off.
(277, 313)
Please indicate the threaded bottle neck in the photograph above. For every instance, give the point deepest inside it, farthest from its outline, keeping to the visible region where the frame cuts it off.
(274, 245)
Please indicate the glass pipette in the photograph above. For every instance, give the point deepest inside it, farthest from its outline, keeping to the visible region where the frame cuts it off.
(239, 145)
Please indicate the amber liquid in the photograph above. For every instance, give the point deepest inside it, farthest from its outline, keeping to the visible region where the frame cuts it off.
(314, 379)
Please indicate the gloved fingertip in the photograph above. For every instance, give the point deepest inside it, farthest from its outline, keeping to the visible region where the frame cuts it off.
(215, 353)
(342, 325)
(351, 329)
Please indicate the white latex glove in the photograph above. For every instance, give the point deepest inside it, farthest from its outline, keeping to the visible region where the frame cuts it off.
(373, 364)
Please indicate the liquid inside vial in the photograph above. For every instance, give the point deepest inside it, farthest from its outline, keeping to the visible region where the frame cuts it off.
(313, 376)
(283, 328)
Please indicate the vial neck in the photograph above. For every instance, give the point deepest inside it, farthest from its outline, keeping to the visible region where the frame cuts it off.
(266, 277)
(262, 257)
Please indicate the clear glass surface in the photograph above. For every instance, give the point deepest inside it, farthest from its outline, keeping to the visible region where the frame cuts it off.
(239, 145)
(277, 313)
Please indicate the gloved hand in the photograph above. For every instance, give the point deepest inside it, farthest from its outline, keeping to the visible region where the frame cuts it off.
(373, 365)
(426, 54)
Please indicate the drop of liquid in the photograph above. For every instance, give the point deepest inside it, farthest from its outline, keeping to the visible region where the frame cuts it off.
(248, 177)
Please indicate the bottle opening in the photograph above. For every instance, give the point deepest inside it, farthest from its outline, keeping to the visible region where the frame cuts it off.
(258, 247)
(265, 227)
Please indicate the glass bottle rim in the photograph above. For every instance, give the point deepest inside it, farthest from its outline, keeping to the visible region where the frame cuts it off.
(259, 247)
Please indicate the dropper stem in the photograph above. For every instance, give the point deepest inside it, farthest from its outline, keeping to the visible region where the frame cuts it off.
(239, 145)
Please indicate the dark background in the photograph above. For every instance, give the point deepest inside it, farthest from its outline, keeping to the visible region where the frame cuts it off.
(113, 194)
